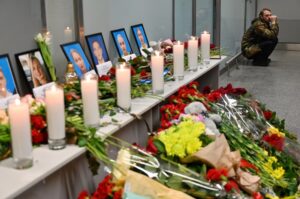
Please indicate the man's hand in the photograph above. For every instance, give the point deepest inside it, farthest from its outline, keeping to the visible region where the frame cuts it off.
(273, 18)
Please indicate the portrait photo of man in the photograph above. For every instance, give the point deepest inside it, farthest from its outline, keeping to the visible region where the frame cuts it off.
(75, 54)
(121, 42)
(97, 49)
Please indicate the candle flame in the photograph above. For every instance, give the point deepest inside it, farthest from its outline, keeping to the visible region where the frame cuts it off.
(193, 38)
(205, 32)
(17, 102)
(178, 42)
(68, 28)
(156, 53)
(53, 87)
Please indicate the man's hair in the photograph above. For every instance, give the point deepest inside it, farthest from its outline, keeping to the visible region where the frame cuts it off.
(261, 13)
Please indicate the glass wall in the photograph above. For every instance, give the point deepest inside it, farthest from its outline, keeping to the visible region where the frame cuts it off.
(232, 25)
(204, 16)
(183, 19)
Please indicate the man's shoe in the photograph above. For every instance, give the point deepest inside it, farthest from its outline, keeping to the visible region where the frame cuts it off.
(260, 62)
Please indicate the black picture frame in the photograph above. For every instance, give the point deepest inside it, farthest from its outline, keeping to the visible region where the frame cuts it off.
(90, 40)
(121, 33)
(76, 47)
(25, 66)
(138, 40)
(8, 76)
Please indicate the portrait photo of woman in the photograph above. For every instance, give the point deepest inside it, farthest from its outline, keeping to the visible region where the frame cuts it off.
(33, 66)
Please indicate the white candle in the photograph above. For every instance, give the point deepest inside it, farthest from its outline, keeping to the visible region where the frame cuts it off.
(20, 129)
(178, 59)
(157, 69)
(205, 46)
(123, 79)
(68, 34)
(89, 92)
(193, 53)
(55, 111)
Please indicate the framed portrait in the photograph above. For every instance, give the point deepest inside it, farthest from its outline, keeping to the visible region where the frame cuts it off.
(140, 37)
(7, 79)
(121, 42)
(75, 54)
(33, 67)
(98, 52)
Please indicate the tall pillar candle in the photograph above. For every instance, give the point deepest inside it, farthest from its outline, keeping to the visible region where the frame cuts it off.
(123, 79)
(178, 59)
(157, 70)
(205, 47)
(20, 129)
(193, 53)
(89, 92)
(55, 112)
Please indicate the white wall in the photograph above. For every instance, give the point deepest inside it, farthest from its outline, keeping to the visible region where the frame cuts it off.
(289, 18)
(106, 15)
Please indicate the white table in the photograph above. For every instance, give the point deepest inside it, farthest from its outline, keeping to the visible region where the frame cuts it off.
(63, 173)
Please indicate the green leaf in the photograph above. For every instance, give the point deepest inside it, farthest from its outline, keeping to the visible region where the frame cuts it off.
(159, 145)
(82, 141)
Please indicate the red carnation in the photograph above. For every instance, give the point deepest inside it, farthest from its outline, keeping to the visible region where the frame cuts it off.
(118, 194)
(212, 46)
(257, 195)
(37, 137)
(206, 90)
(247, 165)
(231, 186)
(216, 174)
(112, 71)
(37, 122)
(143, 74)
(194, 85)
(275, 141)
(151, 147)
(83, 195)
(104, 78)
(268, 114)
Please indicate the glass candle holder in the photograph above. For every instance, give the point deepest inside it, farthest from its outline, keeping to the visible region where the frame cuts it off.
(157, 69)
(89, 92)
(55, 112)
(19, 120)
(205, 47)
(193, 54)
(178, 60)
(123, 78)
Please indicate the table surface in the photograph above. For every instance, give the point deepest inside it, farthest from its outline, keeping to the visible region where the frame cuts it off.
(13, 182)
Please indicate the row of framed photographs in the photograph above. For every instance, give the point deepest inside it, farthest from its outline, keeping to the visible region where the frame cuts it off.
(31, 64)
(98, 51)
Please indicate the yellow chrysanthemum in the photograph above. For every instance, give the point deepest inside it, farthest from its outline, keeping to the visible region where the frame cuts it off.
(273, 130)
(183, 139)
(278, 173)
(268, 167)
(271, 196)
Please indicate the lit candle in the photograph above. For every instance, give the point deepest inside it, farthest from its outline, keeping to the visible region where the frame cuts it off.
(193, 53)
(55, 111)
(205, 47)
(157, 69)
(89, 92)
(19, 120)
(68, 34)
(178, 59)
(123, 79)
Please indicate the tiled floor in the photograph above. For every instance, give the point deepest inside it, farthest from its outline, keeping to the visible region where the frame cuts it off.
(277, 85)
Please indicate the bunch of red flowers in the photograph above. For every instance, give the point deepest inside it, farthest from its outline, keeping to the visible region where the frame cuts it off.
(275, 141)
(38, 129)
(217, 94)
(105, 190)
